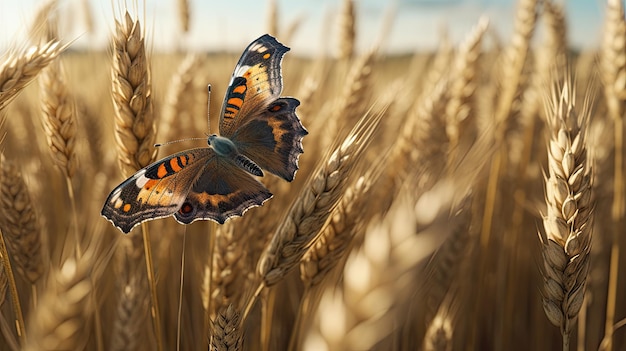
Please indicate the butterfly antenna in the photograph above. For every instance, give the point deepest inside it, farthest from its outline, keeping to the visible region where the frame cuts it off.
(208, 107)
(177, 141)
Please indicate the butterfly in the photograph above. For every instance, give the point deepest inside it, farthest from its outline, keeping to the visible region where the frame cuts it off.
(258, 130)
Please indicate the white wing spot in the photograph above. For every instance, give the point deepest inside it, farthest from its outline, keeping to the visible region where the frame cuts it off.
(116, 195)
(239, 72)
(141, 179)
(258, 48)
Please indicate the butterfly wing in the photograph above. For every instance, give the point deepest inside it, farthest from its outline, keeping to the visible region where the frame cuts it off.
(255, 83)
(156, 191)
(273, 138)
(222, 191)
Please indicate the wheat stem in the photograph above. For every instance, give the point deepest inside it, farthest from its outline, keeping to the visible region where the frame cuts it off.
(613, 72)
(154, 306)
(15, 298)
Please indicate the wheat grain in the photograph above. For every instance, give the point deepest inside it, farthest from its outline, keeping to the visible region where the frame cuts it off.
(19, 69)
(568, 221)
(132, 97)
(226, 334)
(439, 335)
(19, 222)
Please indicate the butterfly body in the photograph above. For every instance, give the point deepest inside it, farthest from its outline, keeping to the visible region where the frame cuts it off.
(259, 130)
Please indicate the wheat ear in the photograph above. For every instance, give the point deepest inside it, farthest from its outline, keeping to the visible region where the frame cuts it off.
(373, 272)
(337, 234)
(228, 269)
(226, 333)
(347, 33)
(613, 71)
(19, 69)
(19, 222)
(132, 97)
(307, 214)
(461, 107)
(178, 110)
(556, 34)
(183, 14)
(310, 210)
(59, 118)
(568, 221)
(134, 126)
(354, 97)
(133, 297)
(272, 18)
(58, 322)
(508, 103)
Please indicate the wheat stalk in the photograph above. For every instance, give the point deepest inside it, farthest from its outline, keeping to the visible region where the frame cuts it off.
(613, 72)
(19, 69)
(568, 221)
(226, 333)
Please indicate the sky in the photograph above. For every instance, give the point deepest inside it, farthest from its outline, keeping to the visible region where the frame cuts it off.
(231, 25)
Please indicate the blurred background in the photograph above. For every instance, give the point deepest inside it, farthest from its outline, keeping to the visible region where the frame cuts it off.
(230, 25)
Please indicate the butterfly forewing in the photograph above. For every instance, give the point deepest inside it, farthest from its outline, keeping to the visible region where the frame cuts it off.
(273, 139)
(255, 83)
(223, 190)
(156, 191)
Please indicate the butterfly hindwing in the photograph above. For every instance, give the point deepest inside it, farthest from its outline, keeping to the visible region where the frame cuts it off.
(273, 138)
(255, 83)
(156, 191)
(223, 190)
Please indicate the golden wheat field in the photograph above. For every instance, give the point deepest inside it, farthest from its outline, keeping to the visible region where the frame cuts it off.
(468, 199)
